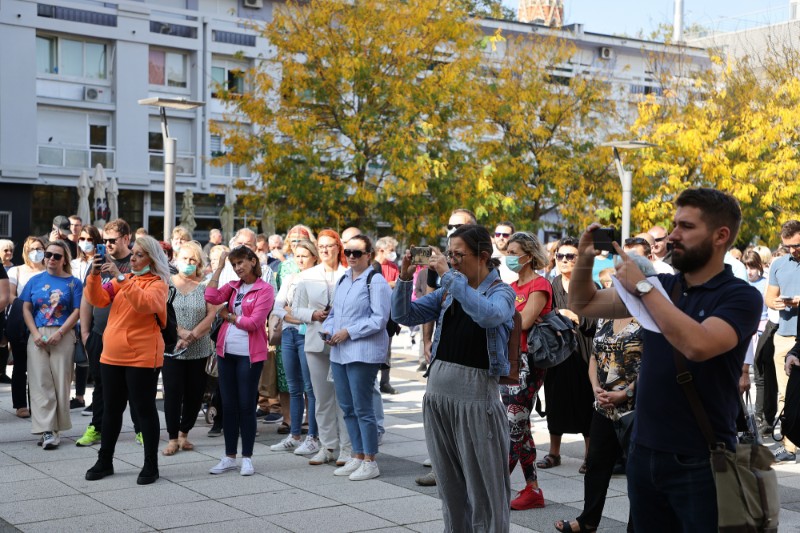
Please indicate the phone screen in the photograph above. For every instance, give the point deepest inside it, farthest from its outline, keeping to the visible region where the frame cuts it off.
(603, 237)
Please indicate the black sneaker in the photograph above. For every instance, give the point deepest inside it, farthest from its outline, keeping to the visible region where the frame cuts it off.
(5, 380)
(100, 470)
(148, 475)
(87, 411)
(260, 412)
(215, 431)
(273, 418)
(422, 367)
(388, 389)
(76, 404)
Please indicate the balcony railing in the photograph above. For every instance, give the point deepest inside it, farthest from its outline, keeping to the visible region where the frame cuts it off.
(230, 171)
(74, 156)
(184, 163)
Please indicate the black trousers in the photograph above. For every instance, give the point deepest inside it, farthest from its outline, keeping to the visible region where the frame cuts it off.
(184, 386)
(123, 384)
(764, 376)
(604, 451)
(19, 376)
(94, 348)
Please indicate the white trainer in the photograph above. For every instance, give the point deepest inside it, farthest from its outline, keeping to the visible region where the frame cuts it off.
(427, 462)
(349, 467)
(225, 464)
(309, 446)
(324, 455)
(367, 470)
(50, 440)
(247, 467)
(344, 456)
(286, 445)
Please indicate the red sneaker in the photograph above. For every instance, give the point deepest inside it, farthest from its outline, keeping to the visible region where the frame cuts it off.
(528, 498)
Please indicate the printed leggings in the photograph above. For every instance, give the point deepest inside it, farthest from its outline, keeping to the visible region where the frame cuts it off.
(519, 401)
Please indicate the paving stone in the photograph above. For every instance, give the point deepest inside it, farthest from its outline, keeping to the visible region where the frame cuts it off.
(362, 491)
(272, 503)
(406, 510)
(34, 489)
(245, 525)
(336, 520)
(20, 472)
(61, 507)
(187, 514)
(111, 521)
(147, 496)
(222, 486)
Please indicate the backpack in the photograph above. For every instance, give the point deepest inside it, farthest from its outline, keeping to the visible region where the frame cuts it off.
(551, 341)
(392, 327)
(169, 332)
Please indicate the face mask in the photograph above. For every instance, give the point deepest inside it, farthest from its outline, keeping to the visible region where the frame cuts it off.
(513, 264)
(392, 256)
(85, 246)
(36, 256)
(141, 272)
(186, 269)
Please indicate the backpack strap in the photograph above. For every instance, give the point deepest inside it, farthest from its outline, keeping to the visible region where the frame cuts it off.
(171, 293)
(369, 284)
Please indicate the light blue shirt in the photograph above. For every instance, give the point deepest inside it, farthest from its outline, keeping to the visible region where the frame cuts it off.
(784, 273)
(363, 315)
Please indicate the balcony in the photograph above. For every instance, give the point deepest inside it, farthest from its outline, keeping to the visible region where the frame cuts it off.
(184, 163)
(230, 171)
(75, 156)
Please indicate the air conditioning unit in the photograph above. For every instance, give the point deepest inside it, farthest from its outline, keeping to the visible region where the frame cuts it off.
(92, 94)
(606, 52)
(255, 4)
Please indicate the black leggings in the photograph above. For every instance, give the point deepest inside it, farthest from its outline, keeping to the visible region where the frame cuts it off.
(19, 376)
(184, 385)
(122, 384)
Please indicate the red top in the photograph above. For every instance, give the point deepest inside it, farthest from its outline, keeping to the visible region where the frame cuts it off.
(524, 293)
(390, 271)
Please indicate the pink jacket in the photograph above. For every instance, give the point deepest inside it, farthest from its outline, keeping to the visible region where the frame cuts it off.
(255, 310)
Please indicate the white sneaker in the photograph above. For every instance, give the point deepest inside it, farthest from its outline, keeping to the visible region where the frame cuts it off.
(309, 446)
(324, 455)
(247, 467)
(427, 462)
(50, 440)
(286, 445)
(367, 470)
(349, 467)
(344, 456)
(225, 464)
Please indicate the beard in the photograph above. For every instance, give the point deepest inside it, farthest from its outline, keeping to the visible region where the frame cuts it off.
(692, 259)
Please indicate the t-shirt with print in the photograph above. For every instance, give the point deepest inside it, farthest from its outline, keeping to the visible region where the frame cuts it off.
(100, 314)
(53, 298)
(237, 341)
(524, 293)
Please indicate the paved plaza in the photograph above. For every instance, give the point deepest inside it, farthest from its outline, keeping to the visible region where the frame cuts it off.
(46, 490)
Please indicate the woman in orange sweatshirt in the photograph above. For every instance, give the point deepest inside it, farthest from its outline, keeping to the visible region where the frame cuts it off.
(133, 350)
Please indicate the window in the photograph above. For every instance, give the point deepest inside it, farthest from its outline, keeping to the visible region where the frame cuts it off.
(183, 131)
(70, 57)
(167, 68)
(230, 170)
(229, 76)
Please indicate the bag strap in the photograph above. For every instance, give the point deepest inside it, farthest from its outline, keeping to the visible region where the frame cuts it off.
(170, 297)
(686, 381)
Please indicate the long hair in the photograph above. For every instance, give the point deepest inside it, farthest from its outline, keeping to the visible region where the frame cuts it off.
(243, 252)
(160, 265)
(531, 246)
(339, 244)
(94, 234)
(305, 233)
(309, 246)
(26, 248)
(67, 267)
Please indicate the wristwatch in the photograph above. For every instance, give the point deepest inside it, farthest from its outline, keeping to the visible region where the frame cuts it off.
(643, 287)
(629, 392)
(121, 278)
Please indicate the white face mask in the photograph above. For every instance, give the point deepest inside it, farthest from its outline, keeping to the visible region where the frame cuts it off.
(36, 256)
(392, 256)
(85, 246)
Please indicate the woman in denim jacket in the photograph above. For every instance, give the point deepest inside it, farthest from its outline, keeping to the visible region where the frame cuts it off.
(465, 422)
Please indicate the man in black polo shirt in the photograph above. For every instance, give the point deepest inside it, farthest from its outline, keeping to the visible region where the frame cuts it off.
(670, 484)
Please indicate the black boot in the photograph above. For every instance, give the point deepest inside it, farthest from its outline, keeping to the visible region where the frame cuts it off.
(149, 473)
(102, 468)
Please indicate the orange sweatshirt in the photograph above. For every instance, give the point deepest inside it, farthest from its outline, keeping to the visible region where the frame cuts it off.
(132, 336)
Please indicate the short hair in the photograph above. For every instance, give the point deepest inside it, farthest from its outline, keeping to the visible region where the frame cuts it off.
(245, 231)
(160, 265)
(214, 231)
(531, 246)
(765, 253)
(197, 253)
(333, 234)
(217, 250)
(368, 248)
(5, 243)
(509, 224)
(478, 239)
(718, 209)
(243, 252)
(141, 232)
(182, 232)
(167, 249)
(308, 245)
(303, 230)
(118, 225)
(752, 259)
(385, 242)
(94, 233)
(26, 247)
(606, 273)
(638, 241)
(567, 241)
(472, 218)
(76, 217)
(275, 237)
(65, 252)
(261, 237)
(790, 228)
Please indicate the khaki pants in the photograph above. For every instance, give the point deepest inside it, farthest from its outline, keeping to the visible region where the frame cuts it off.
(268, 400)
(782, 347)
(50, 377)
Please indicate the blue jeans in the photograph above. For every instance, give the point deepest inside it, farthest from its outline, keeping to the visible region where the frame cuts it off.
(238, 384)
(377, 404)
(670, 492)
(354, 383)
(299, 380)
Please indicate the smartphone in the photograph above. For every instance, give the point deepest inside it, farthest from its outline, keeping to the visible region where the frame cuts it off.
(420, 255)
(100, 251)
(603, 237)
(325, 336)
(782, 297)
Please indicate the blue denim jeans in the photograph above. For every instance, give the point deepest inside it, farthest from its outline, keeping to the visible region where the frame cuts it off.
(238, 384)
(377, 404)
(670, 492)
(354, 383)
(299, 380)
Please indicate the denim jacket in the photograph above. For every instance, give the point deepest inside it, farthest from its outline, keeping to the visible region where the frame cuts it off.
(490, 306)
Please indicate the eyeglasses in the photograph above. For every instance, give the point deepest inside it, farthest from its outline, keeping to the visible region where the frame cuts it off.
(110, 241)
(568, 257)
(294, 241)
(457, 256)
(503, 235)
(86, 239)
(791, 246)
(327, 246)
(633, 241)
(660, 239)
(57, 257)
(355, 254)
(454, 226)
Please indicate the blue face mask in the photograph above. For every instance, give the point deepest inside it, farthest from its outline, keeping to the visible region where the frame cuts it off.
(186, 269)
(141, 272)
(513, 264)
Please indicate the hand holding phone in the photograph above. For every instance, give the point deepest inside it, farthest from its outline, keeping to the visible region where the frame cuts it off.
(603, 239)
(420, 255)
(325, 336)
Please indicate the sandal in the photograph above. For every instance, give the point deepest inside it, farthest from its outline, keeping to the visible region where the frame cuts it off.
(582, 469)
(23, 412)
(171, 449)
(184, 444)
(565, 526)
(549, 461)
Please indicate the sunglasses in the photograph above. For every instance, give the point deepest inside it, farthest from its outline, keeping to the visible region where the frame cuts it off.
(110, 241)
(633, 241)
(454, 226)
(503, 235)
(791, 246)
(57, 257)
(661, 239)
(355, 254)
(568, 257)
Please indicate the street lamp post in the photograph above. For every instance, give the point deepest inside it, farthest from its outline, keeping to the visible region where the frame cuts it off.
(170, 149)
(626, 178)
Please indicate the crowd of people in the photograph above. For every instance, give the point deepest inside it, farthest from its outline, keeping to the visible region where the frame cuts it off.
(297, 332)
